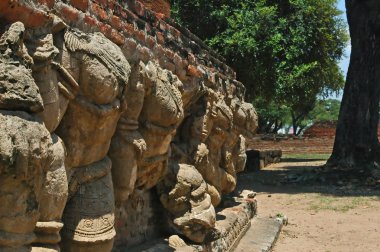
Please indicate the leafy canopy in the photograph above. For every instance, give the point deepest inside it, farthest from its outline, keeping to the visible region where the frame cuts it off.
(286, 52)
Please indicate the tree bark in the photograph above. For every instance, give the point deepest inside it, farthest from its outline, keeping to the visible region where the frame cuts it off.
(356, 141)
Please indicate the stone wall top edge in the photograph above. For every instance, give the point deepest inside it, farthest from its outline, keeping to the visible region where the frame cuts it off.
(122, 21)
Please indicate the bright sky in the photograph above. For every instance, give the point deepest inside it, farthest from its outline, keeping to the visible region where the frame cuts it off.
(345, 61)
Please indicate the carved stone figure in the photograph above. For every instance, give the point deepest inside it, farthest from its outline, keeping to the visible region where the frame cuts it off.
(56, 87)
(140, 147)
(217, 137)
(212, 161)
(184, 195)
(25, 144)
(81, 130)
(102, 72)
(244, 126)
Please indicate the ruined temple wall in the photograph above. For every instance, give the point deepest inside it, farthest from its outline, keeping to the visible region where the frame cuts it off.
(158, 6)
(141, 33)
(296, 145)
(145, 36)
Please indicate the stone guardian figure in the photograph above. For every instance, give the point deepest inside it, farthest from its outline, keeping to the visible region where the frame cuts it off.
(25, 144)
(102, 72)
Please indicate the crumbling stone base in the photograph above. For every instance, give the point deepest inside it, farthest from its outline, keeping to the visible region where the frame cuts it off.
(233, 221)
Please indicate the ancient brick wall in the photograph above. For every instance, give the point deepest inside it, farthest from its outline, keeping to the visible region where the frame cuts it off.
(158, 6)
(321, 129)
(141, 33)
(293, 145)
(143, 36)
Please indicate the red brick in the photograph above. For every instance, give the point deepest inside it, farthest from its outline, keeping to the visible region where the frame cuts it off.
(159, 51)
(132, 17)
(69, 13)
(106, 3)
(117, 38)
(128, 28)
(158, 6)
(48, 3)
(80, 4)
(162, 62)
(150, 41)
(160, 38)
(90, 20)
(119, 11)
(194, 71)
(192, 59)
(185, 63)
(170, 66)
(14, 11)
(159, 15)
(37, 19)
(211, 78)
(130, 44)
(99, 12)
(105, 29)
(148, 28)
(182, 75)
(138, 8)
(140, 35)
(177, 60)
(174, 32)
(144, 53)
(116, 22)
(163, 26)
(169, 53)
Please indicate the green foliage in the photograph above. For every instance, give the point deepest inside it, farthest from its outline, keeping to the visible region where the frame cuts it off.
(286, 52)
(325, 110)
(273, 116)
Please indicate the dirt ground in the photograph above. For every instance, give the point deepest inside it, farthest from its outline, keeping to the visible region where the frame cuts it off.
(321, 216)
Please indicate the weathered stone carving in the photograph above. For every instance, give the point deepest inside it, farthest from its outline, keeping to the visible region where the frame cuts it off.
(206, 131)
(244, 126)
(184, 195)
(140, 147)
(56, 87)
(87, 127)
(25, 144)
(81, 130)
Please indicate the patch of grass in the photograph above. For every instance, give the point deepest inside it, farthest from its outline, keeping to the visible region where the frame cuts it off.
(340, 204)
(280, 215)
(306, 156)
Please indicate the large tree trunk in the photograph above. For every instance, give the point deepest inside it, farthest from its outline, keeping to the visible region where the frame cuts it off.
(356, 141)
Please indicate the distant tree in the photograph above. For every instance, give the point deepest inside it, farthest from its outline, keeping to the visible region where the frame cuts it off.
(273, 116)
(356, 142)
(325, 110)
(286, 52)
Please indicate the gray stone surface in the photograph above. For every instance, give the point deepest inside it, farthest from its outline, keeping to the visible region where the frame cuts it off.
(262, 235)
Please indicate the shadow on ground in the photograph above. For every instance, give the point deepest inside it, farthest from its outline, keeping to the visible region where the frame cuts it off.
(297, 160)
(294, 176)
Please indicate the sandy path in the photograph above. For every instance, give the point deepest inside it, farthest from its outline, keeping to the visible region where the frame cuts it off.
(320, 219)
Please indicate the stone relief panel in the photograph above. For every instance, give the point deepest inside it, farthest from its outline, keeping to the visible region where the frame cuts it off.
(102, 74)
(26, 147)
(82, 129)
